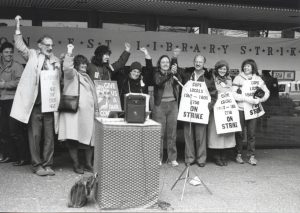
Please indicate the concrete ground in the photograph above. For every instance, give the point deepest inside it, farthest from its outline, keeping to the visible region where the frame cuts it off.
(271, 186)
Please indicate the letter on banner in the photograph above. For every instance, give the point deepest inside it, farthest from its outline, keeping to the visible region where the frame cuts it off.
(50, 90)
(108, 97)
(194, 103)
(226, 114)
(251, 111)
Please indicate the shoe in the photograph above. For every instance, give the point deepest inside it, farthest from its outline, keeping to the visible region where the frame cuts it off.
(88, 168)
(252, 160)
(225, 162)
(78, 170)
(201, 164)
(40, 171)
(218, 162)
(6, 160)
(49, 171)
(20, 163)
(239, 159)
(173, 163)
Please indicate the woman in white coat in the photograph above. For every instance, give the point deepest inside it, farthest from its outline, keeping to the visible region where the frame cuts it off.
(77, 129)
(219, 143)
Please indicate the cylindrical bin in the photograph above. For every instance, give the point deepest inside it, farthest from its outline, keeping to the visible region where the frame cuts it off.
(127, 161)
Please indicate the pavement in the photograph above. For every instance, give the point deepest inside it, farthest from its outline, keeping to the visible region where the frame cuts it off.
(271, 186)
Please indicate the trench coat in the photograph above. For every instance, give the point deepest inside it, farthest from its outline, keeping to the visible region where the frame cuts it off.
(221, 141)
(79, 126)
(28, 87)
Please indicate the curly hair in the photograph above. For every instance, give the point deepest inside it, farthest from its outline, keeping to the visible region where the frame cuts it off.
(80, 59)
(98, 54)
(252, 63)
(6, 45)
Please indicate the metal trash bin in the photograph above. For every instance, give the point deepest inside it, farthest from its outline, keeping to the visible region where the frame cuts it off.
(127, 161)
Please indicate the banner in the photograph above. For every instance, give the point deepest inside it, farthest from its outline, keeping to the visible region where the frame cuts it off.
(226, 114)
(194, 103)
(251, 111)
(269, 53)
(108, 97)
(50, 90)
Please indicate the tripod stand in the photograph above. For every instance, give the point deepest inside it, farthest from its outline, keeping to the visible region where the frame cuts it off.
(187, 177)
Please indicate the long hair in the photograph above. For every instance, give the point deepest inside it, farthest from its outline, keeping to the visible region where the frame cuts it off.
(159, 60)
(80, 59)
(252, 63)
(98, 54)
(220, 64)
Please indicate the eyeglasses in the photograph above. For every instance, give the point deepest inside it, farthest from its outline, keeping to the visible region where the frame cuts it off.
(48, 45)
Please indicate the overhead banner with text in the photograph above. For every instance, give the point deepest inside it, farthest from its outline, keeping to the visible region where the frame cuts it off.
(269, 53)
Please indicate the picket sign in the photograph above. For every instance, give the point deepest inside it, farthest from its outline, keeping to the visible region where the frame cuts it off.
(194, 103)
(50, 90)
(251, 111)
(226, 114)
(108, 97)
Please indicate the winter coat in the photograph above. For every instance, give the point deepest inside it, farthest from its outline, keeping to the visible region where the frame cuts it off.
(28, 87)
(221, 141)
(79, 126)
(106, 71)
(10, 74)
(238, 83)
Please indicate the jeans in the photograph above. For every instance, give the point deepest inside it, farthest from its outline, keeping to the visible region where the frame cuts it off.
(251, 128)
(166, 114)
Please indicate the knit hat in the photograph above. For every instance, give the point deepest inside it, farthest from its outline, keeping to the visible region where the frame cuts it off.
(102, 49)
(136, 65)
(220, 64)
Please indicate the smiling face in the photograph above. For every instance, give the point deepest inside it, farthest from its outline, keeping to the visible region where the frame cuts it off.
(82, 67)
(165, 64)
(199, 62)
(135, 74)
(7, 54)
(222, 71)
(46, 46)
(105, 58)
(247, 69)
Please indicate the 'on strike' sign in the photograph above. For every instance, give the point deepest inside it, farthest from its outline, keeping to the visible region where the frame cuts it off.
(50, 90)
(226, 114)
(194, 103)
(251, 111)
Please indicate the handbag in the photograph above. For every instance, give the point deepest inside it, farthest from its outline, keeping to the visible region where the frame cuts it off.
(69, 103)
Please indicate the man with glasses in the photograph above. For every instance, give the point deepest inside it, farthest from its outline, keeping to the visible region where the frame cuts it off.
(28, 103)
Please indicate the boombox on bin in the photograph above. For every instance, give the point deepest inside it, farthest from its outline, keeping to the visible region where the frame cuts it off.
(135, 108)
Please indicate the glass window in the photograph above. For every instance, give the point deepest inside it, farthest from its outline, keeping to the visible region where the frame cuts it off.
(281, 87)
(227, 32)
(64, 24)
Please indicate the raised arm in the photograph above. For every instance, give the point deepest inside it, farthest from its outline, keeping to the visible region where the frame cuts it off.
(120, 63)
(68, 64)
(19, 43)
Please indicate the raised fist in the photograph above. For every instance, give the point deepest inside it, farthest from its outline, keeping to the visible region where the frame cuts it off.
(127, 47)
(18, 18)
(70, 48)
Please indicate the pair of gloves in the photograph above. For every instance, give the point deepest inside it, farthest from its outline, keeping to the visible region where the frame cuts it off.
(259, 93)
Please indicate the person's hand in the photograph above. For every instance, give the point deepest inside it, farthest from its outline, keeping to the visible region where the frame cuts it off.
(70, 48)
(2, 82)
(174, 69)
(17, 19)
(127, 47)
(176, 52)
(145, 51)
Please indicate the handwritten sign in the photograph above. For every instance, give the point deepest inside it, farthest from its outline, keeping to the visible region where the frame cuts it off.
(194, 103)
(50, 90)
(226, 113)
(251, 111)
(108, 97)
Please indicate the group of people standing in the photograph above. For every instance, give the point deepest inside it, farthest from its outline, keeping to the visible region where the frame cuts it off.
(20, 103)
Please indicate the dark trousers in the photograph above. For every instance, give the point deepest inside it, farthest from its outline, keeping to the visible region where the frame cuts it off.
(14, 143)
(41, 125)
(251, 127)
(195, 142)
